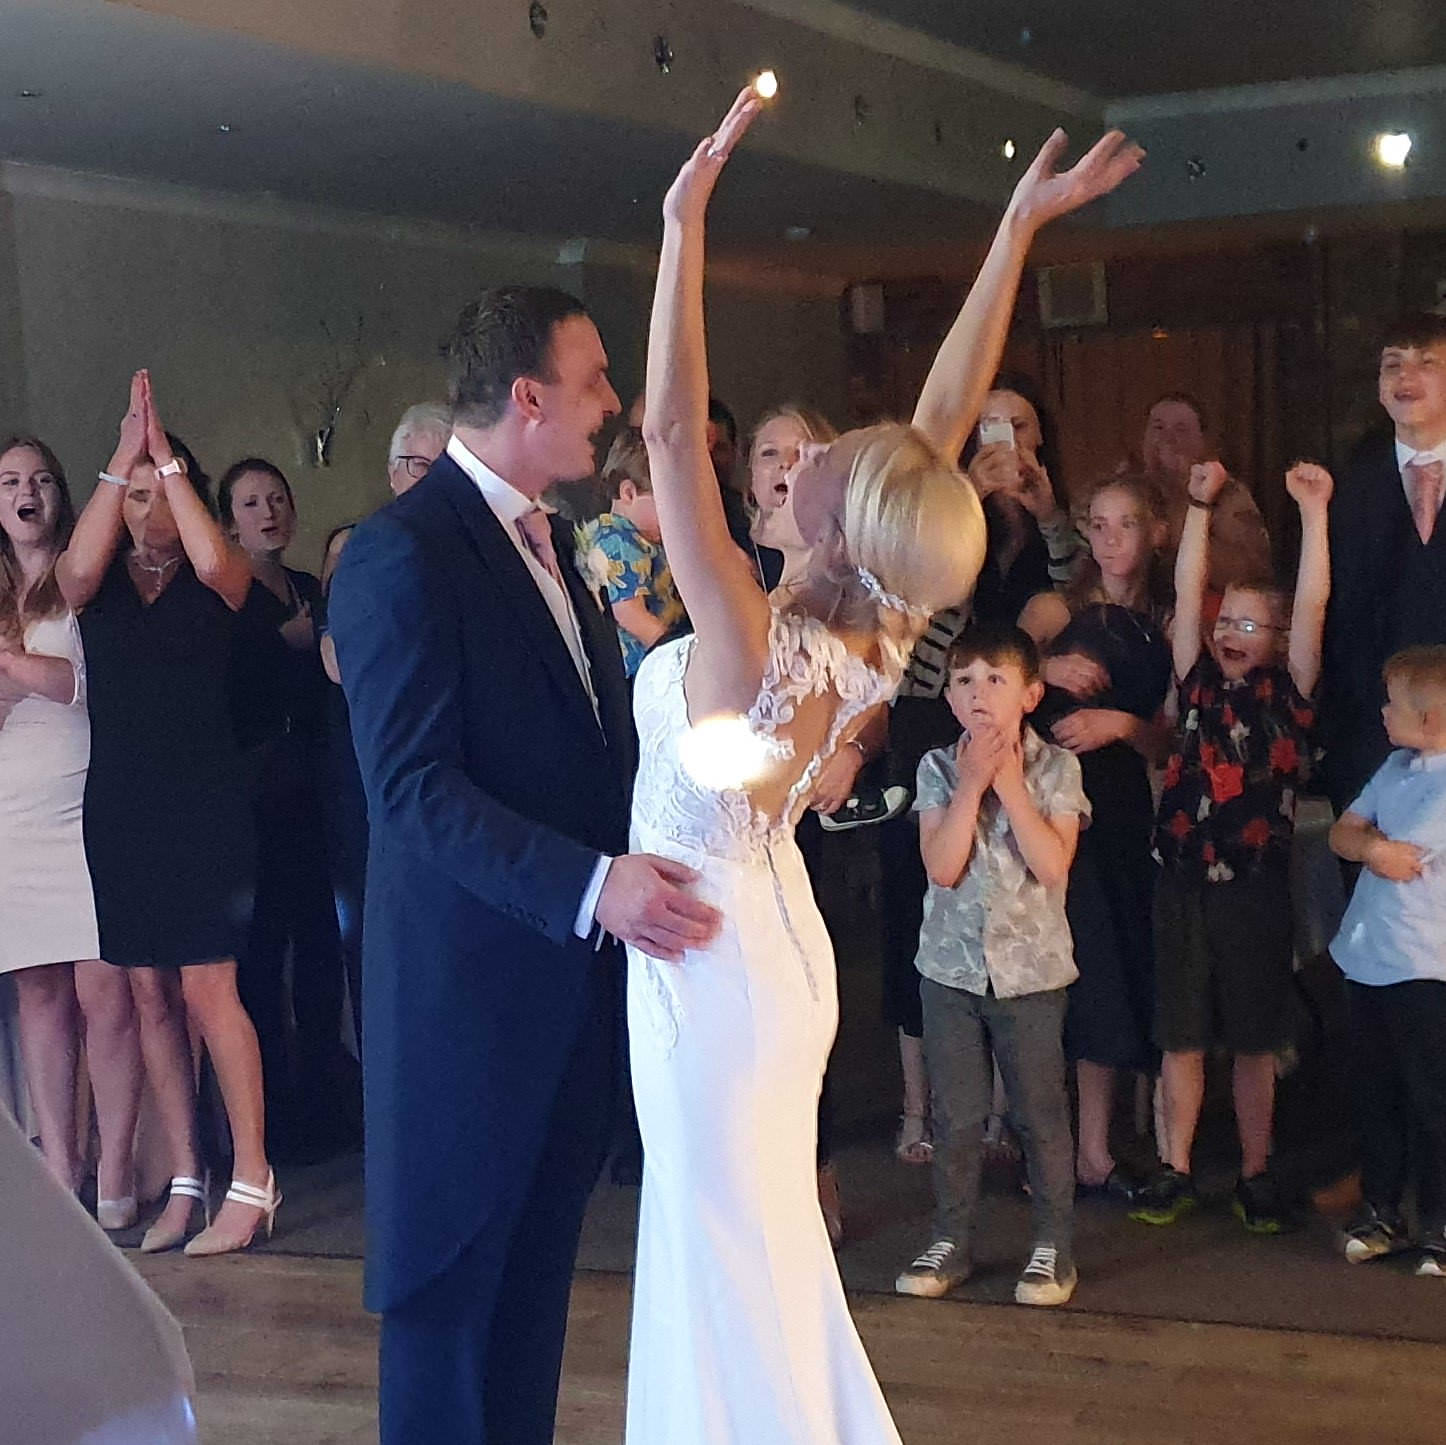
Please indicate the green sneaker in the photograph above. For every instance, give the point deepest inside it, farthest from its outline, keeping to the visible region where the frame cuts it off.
(1166, 1198)
(1258, 1206)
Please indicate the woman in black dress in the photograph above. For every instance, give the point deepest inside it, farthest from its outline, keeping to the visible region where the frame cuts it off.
(310, 1103)
(168, 824)
(1107, 671)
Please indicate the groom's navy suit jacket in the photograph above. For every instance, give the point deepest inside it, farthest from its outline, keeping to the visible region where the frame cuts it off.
(492, 791)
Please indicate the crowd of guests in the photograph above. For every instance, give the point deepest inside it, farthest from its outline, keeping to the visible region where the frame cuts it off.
(1085, 794)
(182, 826)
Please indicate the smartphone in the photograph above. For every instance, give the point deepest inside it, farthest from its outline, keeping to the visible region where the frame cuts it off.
(994, 430)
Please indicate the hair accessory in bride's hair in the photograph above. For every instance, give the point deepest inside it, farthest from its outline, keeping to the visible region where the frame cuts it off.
(885, 598)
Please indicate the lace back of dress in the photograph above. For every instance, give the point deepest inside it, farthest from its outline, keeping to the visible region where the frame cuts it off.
(813, 688)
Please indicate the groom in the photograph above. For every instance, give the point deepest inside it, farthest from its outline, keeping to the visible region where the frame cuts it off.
(491, 721)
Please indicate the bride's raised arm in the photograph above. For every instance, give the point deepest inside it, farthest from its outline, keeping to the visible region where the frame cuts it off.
(967, 361)
(728, 609)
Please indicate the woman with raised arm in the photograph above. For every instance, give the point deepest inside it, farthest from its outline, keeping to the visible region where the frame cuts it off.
(740, 1327)
(168, 831)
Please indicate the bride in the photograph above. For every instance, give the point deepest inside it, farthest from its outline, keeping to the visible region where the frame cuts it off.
(741, 1333)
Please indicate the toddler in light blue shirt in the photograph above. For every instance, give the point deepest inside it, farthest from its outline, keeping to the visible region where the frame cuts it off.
(1392, 949)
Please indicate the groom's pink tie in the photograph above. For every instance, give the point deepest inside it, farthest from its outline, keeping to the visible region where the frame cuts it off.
(1426, 487)
(537, 533)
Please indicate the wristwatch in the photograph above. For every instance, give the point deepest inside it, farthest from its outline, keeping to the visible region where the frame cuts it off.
(173, 468)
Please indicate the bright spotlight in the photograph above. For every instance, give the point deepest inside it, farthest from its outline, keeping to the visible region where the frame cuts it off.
(724, 752)
(766, 85)
(1392, 148)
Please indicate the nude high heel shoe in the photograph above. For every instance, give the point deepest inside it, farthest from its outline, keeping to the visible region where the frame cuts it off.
(113, 1214)
(156, 1240)
(211, 1241)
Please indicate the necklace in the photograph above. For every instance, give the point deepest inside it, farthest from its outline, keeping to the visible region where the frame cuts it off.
(155, 571)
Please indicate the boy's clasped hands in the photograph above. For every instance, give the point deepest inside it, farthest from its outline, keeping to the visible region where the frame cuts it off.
(989, 759)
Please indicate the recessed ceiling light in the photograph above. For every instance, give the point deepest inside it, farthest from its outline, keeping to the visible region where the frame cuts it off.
(766, 84)
(1392, 147)
(797, 233)
(223, 129)
(1007, 150)
(31, 94)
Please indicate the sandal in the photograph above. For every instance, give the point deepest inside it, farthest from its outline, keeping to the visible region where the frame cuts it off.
(914, 1143)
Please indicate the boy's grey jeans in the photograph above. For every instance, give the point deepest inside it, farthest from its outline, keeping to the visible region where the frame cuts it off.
(1026, 1035)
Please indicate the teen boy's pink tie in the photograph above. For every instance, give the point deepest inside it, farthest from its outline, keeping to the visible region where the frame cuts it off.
(1426, 488)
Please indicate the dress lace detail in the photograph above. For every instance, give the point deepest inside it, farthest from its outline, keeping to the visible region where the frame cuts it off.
(693, 821)
(676, 815)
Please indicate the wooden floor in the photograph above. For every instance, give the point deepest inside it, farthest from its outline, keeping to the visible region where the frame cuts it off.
(284, 1353)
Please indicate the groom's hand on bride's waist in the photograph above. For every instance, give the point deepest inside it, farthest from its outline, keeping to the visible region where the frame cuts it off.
(645, 901)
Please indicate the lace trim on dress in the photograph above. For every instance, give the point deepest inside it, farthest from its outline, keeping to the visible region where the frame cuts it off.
(677, 814)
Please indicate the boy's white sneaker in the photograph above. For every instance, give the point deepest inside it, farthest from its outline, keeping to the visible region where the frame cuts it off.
(1433, 1255)
(935, 1272)
(1043, 1282)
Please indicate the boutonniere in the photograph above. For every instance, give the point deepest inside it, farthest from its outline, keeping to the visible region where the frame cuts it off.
(592, 566)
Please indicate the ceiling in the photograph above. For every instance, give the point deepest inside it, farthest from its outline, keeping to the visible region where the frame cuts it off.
(1117, 48)
(120, 90)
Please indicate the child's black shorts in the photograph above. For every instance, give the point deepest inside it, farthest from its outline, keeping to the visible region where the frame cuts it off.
(1223, 962)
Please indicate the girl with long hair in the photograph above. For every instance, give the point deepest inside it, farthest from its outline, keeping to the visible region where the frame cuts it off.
(49, 942)
(1107, 670)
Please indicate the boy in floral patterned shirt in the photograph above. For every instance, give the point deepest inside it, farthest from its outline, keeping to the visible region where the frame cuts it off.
(621, 554)
(1223, 919)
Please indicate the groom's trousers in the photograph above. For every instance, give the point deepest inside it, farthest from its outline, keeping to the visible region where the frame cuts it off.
(474, 1357)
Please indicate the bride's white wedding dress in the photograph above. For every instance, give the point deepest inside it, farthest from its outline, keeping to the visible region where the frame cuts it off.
(741, 1333)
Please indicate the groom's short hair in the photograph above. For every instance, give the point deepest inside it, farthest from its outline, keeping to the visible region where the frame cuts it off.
(504, 334)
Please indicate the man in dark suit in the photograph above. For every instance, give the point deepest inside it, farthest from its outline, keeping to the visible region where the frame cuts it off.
(491, 723)
(1388, 552)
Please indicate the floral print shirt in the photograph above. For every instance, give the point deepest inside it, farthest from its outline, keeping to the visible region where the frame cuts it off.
(1242, 752)
(999, 925)
(618, 562)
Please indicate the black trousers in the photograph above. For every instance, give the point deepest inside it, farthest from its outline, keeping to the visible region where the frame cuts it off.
(295, 913)
(1398, 1043)
(474, 1357)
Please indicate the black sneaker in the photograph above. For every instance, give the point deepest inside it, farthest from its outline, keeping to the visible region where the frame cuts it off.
(935, 1272)
(1046, 1280)
(1166, 1198)
(1433, 1255)
(1373, 1233)
(875, 806)
(1258, 1206)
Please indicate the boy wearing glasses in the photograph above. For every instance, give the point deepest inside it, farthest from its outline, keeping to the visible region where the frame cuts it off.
(1223, 920)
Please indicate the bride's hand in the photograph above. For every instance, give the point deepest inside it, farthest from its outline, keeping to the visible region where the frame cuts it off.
(688, 196)
(1045, 193)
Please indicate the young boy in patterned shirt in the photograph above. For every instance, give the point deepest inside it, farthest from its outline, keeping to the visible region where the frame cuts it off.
(1223, 917)
(999, 818)
(621, 553)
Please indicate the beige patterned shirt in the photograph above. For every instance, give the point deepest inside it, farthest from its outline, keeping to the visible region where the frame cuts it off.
(999, 924)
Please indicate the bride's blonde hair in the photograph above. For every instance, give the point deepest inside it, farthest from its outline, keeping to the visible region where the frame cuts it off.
(911, 528)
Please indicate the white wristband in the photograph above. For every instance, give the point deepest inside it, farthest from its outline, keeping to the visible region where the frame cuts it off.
(114, 480)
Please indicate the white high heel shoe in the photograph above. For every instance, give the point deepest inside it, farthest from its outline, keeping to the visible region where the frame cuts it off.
(268, 1201)
(156, 1240)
